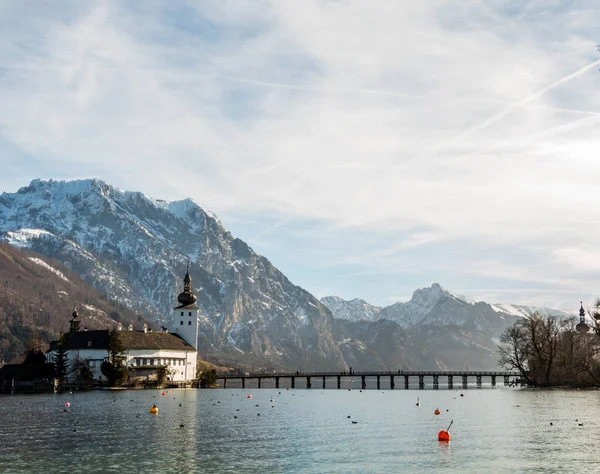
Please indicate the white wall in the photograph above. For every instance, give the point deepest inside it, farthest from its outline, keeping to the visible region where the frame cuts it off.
(182, 364)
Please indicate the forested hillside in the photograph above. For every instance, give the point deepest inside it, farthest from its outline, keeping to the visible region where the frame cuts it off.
(37, 297)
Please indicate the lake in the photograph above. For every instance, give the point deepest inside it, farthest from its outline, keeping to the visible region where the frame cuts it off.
(305, 431)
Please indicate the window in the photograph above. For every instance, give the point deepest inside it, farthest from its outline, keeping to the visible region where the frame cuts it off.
(138, 361)
(89, 343)
(182, 323)
(151, 361)
(189, 323)
(182, 313)
(190, 313)
(145, 362)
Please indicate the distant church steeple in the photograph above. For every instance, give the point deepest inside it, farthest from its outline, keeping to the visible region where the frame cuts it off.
(582, 327)
(74, 323)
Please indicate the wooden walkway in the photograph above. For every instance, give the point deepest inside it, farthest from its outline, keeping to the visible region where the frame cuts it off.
(421, 376)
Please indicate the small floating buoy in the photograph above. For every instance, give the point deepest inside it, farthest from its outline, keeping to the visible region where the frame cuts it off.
(462, 394)
(248, 396)
(349, 389)
(417, 404)
(551, 424)
(181, 425)
(437, 411)
(154, 410)
(163, 394)
(288, 388)
(348, 416)
(354, 422)
(67, 404)
(235, 416)
(444, 435)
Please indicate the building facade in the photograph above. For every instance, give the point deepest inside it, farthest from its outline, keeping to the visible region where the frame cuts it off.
(145, 352)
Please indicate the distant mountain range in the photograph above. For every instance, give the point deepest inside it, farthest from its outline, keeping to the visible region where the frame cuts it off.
(135, 249)
(434, 306)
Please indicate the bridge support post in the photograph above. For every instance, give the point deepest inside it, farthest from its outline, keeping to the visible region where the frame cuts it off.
(259, 380)
(224, 383)
(464, 377)
(243, 382)
(436, 382)
(293, 382)
(479, 381)
(406, 382)
(363, 382)
(506, 381)
(392, 384)
(378, 382)
(276, 382)
(339, 380)
(323, 382)
(308, 384)
(421, 382)
(493, 380)
(450, 381)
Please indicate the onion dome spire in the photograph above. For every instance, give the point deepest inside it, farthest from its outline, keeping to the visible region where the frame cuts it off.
(74, 323)
(187, 297)
(582, 326)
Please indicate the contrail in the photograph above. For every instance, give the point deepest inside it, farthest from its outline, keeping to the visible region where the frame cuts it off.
(503, 113)
(283, 85)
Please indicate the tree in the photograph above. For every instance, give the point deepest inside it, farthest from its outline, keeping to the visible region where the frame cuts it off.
(80, 369)
(208, 378)
(514, 350)
(61, 361)
(114, 369)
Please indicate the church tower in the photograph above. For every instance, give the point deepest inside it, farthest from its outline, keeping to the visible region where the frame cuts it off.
(185, 317)
(74, 323)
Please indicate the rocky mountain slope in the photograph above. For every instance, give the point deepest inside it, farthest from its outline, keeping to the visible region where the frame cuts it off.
(135, 250)
(436, 306)
(37, 297)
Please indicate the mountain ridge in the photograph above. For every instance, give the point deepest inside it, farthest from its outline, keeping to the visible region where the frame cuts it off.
(135, 249)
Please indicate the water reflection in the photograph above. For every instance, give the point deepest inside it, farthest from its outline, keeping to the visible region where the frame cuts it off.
(300, 431)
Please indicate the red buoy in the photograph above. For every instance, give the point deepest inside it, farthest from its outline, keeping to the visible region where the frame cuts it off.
(163, 394)
(437, 411)
(444, 435)
(67, 404)
(248, 396)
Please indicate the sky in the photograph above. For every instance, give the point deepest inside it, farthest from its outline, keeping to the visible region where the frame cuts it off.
(366, 148)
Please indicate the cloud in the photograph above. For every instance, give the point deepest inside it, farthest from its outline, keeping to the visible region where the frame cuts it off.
(380, 123)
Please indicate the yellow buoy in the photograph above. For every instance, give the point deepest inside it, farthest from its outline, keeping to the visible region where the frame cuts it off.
(154, 410)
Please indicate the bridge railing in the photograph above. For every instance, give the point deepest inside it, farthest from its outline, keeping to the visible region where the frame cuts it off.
(372, 373)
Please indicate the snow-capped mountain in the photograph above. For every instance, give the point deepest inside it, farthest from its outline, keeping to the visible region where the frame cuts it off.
(436, 306)
(135, 250)
(352, 310)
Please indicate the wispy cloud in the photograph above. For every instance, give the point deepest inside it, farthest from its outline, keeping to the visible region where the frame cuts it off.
(391, 136)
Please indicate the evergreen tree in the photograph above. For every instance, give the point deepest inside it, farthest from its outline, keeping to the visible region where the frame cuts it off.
(114, 368)
(61, 361)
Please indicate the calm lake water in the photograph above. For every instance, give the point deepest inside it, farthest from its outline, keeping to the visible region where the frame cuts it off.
(494, 430)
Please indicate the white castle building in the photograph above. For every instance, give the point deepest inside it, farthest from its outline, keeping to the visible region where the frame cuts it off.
(145, 351)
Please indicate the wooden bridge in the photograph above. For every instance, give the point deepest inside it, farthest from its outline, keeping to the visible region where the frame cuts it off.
(434, 376)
